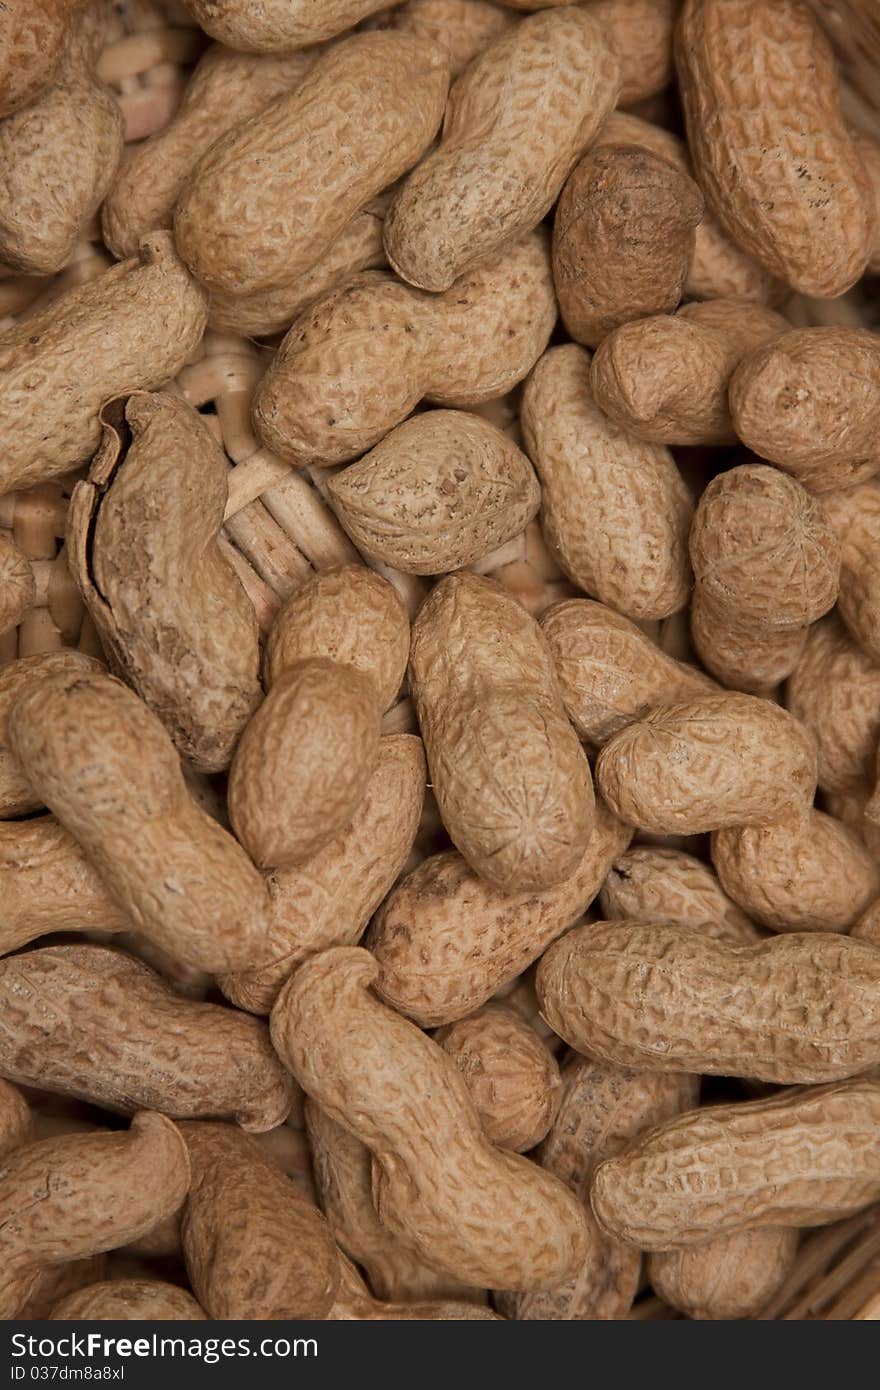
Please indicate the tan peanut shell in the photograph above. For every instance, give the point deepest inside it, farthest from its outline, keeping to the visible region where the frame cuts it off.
(225, 89)
(850, 808)
(733, 1276)
(665, 378)
(742, 654)
(17, 585)
(809, 401)
(516, 122)
(169, 607)
(708, 762)
(511, 780)
(868, 149)
(102, 762)
(343, 1176)
(486, 1216)
(92, 1022)
(72, 1196)
(255, 1247)
(776, 163)
(58, 156)
(277, 25)
(133, 327)
(609, 670)
(603, 1107)
(16, 1123)
(854, 515)
(56, 1282)
(802, 873)
(512, 1076)
(438, 492)
(640, 32)
(33, 36)
(328, 900)
(652, 883)
(835, 691)
(446, 940)
(47, 885)
(16, 795)
(358, 362)
(792, 1009)
(802, 1158)
(355, 1303)
(615, 511)
(117, 1300)
(303, 763)
(623, 239)
(463, 27)
(264, 202)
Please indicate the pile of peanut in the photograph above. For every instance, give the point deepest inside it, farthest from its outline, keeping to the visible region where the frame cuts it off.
(473, 936)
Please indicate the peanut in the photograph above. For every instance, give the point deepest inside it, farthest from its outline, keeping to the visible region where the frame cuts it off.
(855, 516)
(496, 737)
(355, 1303)
(47, 884)
(464, 27)
(33, 36)
(438, 492)
(446, 939)
(277, 25)
(226, 221)
(16, 795)
(143, 1300)
(517, 120)
(803, 1158)
(615, 511)
(131, 328)
(731, 1277)
(835, 691)
(640, 32)
(623, 239)
(790, 1009)
(255, 1247)
(17, 585)
(358, 362)
(104, 764)
(651, 883)
(778, 167)
(484, 1215)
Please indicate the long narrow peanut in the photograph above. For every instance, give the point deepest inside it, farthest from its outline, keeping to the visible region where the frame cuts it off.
(360, 359)
(835, 692)
(516, 122)
(733, 1276)
(792, 1009)
(95, 1023)
(615, 511)
(805, 1158)
(446, 939)
(131, 328)
(488, 1217)
(143, 1300)
(855, 516)
(511, 780)
(105, 765)
(651, 883)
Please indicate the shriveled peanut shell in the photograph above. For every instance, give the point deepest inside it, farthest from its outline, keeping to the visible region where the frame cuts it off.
(855, 516)
(665, 378)
(640, 32)
(75, 1195)
(438, 492)
(255, 1247)
(276, 25)
(121, 1300)
(102, 762)
(355, 1303)
(516, 122)
(791, 1009)
(777, 165)
(303, 763)
(608, 670)
(708, 762)
(133, 327)
(58, 156)
(360, 359)
(809, 401)
(343, 1177)
(603, 1107)
(835, 692)
(623, 239)
(446, 939)
(252, 215)
(47, 884)
(512, 1076)
(464, 27)
(803, 1158)
(733, 1276)
(33, 35)
(803, 873)
(652, 883)
(168, 605)
(17, 585)
(615, 511)
(225, 89)
(16, 795)
(92, 1022)
(511, 780)
(486, 1216)
(329, 899)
